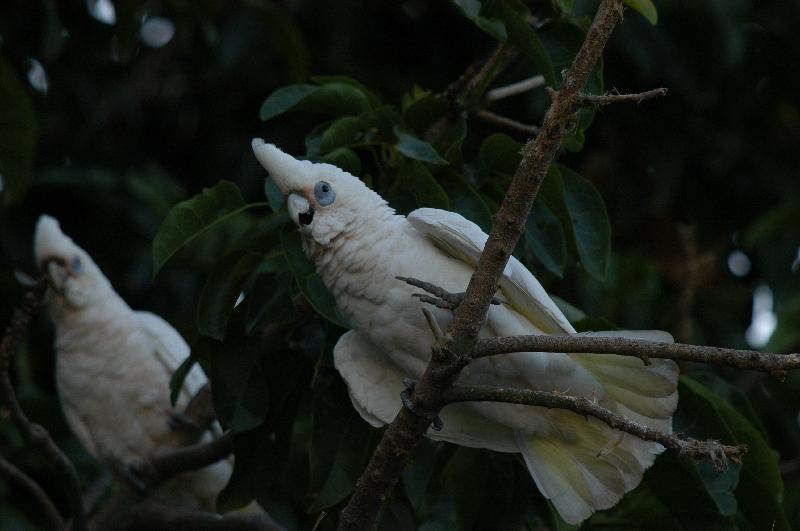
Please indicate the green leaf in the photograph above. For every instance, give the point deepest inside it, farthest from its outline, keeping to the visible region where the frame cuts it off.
(347, 80)
(284, 99)
(472, 9)
(222, 289)
(239, 382)
(189, 219)
(341, 444)
(465, 200)
(274, 195)
(178, 377)
(17, 135)
(545, 237)
(760, 487)
(414, 148)
(501, 153)
(337, 99)
(421, 184)
(590, 225)
(345, 131)
(344, 158)
(646, 8)
(524, 37)
(310, 283)
(566, 6)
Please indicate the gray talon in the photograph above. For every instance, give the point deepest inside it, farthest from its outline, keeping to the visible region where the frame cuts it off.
(405, 397)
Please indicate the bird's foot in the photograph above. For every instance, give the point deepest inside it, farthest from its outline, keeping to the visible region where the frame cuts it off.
(136, 472)
(179, 422)
(437, 296)
(405, 397)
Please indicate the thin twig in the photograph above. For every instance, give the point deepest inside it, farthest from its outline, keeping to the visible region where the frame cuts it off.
(402, 435)
(520, 87)
(713, 451)
(24, 481)
(504, 121)
(34, 434)
(774, 364)
(606, 99)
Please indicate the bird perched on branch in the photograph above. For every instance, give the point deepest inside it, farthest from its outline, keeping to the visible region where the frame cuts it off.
(113, 367)
(360, 247)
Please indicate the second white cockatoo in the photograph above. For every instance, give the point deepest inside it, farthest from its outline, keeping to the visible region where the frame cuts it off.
(113, 367)
(360, 246)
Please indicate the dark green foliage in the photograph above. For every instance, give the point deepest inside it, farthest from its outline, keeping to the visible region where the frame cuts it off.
(143, 151)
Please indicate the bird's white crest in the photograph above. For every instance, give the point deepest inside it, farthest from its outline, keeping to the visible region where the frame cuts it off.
(72, 273)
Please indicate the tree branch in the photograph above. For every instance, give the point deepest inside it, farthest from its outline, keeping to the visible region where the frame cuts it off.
(34, 434)
(714, 451)
(503, 121)
(774, 364)
(14, 474)
(606, 99)
(154, 516)
(451, 353)
(520, 87)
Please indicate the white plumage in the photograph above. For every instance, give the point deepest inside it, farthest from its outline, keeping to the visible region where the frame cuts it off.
(359, 246)
(113, 367)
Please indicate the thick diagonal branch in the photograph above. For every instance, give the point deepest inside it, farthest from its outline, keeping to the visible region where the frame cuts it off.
(714, 451)
(451, 353)
(23, 481)
(34, 434)
(774, 364)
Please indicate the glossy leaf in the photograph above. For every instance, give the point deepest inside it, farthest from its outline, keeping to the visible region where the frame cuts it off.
(17, 134)
(221, 291)
(340, 447)
(239, 382)
(472, 10)
(646, 8)
(421, 184)
(178, 377)
(284, 99)
(344, 158)
(465, 200)
(337, 99)
(414, 148)
(501, 153)
(590, 225)
(760, 487)
(524, 37)
(545, 237)
(310, 283)
(189, 219)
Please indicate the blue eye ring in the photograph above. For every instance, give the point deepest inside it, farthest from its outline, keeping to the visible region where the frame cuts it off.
(75, 264)
(324, 194)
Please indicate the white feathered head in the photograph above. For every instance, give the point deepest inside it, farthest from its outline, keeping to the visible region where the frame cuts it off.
(323, 200)
(74, 278)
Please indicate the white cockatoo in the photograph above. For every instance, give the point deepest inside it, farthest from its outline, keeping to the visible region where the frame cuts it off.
(360, 246)
(113, 367)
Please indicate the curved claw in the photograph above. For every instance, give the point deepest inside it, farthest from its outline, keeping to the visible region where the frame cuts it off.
(405, 398)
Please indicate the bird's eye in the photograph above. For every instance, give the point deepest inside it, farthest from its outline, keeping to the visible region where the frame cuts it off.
(76, 265)
(324, 194)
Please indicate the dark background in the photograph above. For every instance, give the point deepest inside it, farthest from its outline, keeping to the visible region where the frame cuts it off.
(125, 130)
